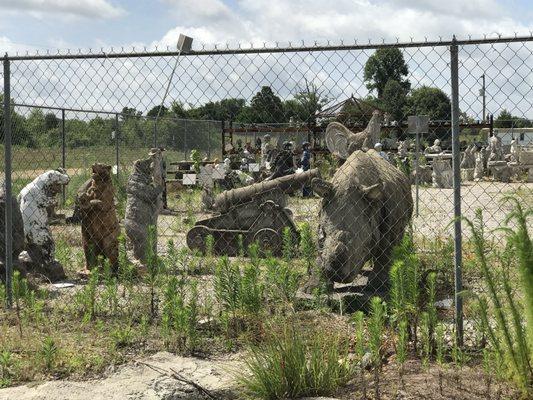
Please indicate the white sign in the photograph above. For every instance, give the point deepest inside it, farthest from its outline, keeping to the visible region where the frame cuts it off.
(253, 167)
(189, 179)
(418, 123)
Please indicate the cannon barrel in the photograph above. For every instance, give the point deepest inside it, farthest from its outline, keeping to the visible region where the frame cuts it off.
(285, 184)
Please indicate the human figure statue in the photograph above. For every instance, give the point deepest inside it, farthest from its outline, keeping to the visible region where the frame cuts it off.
(435, 149)
(34, 199)
(266, 150)
(305, 164)
(515, 151)
(469, 157)
(402, 149)
(479, 166)
(495, 148)
(159, 174)
(284, 162)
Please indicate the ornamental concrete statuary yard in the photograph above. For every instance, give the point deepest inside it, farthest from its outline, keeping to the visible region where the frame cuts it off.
(34, 199)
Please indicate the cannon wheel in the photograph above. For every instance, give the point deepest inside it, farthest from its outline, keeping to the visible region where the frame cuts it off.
(196, 237)
(268, 240)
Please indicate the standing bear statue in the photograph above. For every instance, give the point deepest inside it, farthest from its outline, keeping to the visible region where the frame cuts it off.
(99, 223)
(365, 209)
(34, 200)
(142, 207)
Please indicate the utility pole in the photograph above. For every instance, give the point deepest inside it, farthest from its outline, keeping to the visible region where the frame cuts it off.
(482, 94)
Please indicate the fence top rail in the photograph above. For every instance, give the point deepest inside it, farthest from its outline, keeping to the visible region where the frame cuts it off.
(116, 113)
(69, 55)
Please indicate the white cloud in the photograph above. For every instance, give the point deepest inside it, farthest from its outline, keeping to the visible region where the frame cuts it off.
(282, 20)
(98, 9)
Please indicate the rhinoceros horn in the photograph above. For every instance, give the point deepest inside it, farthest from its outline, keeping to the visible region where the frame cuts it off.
(373, 192)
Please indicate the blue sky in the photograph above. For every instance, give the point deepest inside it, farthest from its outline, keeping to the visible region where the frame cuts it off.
(39, 24)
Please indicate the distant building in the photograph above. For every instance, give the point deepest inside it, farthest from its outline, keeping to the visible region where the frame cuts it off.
(524, 136)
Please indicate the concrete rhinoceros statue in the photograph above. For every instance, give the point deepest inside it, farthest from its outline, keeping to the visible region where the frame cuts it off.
(365, 209)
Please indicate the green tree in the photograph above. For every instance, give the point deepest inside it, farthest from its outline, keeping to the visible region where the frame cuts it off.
(430, 101)
(506, 120)
(311, 101)
(266, 106)
(50, 121)
(386, 64)
(128, 112)
(177, 108)
(155, 110)
(394, 99)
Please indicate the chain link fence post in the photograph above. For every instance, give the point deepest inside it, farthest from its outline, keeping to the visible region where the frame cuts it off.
(7, 181)
(63, 151)
(456, 161)
(117, 134)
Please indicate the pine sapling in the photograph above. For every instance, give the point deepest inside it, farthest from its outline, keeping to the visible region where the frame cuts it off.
(376, 327)
(359, 321)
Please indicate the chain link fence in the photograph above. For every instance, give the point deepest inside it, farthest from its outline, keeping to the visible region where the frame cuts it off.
(266, 112)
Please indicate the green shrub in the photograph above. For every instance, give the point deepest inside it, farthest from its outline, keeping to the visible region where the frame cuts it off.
(509, 332)
(292, 365)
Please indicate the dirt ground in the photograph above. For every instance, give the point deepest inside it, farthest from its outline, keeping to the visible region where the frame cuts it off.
(150, 379)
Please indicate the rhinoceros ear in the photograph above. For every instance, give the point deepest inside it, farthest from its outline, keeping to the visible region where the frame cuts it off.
(373, 192)
(322, 188)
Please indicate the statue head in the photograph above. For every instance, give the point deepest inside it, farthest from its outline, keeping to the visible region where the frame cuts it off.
(436, 142)
(101, 172)
(143, 166)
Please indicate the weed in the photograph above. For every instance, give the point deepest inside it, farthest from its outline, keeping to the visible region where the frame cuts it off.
(401, 348)
(282, 281)
(49, 352)
(307, 246)
(376, 326)
(122, 336)
(507, 336)
(292, 365)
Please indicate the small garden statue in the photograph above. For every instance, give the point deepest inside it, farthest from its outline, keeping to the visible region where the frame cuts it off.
(435, 149)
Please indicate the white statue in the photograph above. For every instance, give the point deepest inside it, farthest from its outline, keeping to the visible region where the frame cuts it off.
(479, 166)
(435, 149)
(469, 157)
(515, 151)
(495, 148)
(266, 150)
(34, 199)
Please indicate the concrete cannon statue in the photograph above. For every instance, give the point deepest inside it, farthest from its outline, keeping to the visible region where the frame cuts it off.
(257, 212)
(365, 209)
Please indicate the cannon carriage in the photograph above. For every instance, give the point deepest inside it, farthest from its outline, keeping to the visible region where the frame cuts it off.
(255, 213)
